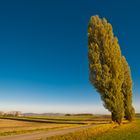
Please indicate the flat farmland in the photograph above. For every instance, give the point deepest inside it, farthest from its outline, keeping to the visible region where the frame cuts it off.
(68, 128)
(14, 127)
(21, 125)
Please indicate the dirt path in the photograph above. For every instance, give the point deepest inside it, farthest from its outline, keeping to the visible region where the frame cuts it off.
(39, 135)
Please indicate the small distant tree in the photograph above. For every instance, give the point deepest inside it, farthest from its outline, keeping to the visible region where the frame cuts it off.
(17, 114)
(127, 91)
(105, 66)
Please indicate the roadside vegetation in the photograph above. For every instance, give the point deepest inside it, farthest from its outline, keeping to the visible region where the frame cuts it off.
(125, 131)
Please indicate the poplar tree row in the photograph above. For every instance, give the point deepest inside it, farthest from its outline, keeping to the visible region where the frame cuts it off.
(109, 71)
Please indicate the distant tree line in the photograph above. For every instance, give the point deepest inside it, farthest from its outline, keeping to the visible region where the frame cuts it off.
(109, 71)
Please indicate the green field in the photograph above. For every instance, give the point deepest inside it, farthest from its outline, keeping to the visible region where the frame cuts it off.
(82, 120)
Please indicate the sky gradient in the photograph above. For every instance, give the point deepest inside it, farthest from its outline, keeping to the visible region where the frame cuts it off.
(43, 53)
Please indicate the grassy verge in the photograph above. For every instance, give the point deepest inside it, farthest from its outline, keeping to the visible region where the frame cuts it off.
(127, 131)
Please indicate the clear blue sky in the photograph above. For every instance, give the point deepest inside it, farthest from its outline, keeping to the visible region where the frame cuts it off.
(43, 52)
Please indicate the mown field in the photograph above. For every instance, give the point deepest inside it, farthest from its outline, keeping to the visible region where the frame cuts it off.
(13, 127)
(20, 125)
(127, 131)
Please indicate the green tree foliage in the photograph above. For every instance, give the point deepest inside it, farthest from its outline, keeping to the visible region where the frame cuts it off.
(105, 65)
(127, 91)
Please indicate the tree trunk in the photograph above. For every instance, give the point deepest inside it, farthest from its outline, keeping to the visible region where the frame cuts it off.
(113, 117)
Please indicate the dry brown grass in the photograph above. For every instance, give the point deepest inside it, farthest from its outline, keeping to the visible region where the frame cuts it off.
(11, 127)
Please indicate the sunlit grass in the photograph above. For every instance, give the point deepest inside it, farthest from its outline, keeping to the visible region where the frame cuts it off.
(127, 131)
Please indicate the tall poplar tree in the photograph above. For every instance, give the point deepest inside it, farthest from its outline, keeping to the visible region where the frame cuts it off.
(127, 91)
(105, 66)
